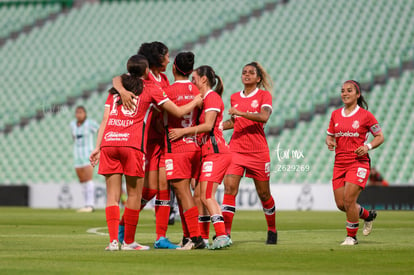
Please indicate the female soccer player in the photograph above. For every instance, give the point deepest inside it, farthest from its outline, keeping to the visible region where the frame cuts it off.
(182, 156)
(83, 130)
(348, 131)
(250, 110)
(155, 182)
(121, 147)
(216, 153)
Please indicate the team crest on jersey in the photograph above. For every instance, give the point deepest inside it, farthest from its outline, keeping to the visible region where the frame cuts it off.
(255, 103)
(169, 165)
(207, 167)
(134, 111)
(355, 125)
(362, 173)
(190, 87)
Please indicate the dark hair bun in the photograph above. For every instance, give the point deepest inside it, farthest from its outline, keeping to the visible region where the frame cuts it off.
(184, 63)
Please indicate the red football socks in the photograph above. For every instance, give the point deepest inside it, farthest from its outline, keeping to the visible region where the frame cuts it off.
(112, 220)
(191, 218)
(131, 217)
(363, 213)
(269, 210)
(204, 223)
(162, 213)
(228, 209)
(186, 233)
(352, 228)
(218, 222)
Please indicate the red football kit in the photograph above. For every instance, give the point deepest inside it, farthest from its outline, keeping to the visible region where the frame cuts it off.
(155, 145)
(182, 157)
(215, 151)
(350, 132)
(125, 137)
(248, 143)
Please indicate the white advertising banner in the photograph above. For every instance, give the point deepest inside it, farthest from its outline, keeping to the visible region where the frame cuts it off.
(287, 196)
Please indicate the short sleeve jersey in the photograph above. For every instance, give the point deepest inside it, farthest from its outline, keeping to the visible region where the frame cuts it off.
(213, 141)
(350, 132)
(249, 136)
(84, 136)
(181, 93)
(129, 128)
(154, 135)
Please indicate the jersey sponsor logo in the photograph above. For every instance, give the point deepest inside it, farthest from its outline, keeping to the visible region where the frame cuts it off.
(355, 125)
(115, 136)
(169, 166)
(207, 167)
(120, 122)
(267, 167)
(255, 103)
(347, 134)
(362, 172)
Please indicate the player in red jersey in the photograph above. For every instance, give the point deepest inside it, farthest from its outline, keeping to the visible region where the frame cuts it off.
(348, 131)
(182, 156)
(215, 151)
(121, 147)
(155, 182)
(250, 110)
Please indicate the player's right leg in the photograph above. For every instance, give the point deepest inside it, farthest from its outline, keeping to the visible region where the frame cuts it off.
(113, 194)
(231, 188)
(184, 196)
(203, 216)
(85, 174)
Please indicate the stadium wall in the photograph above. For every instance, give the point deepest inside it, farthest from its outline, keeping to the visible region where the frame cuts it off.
(287, 196)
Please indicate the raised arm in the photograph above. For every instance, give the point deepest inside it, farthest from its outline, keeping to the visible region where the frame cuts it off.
(176, 111)
(207, 126)
(127, 97)
(94, 157)
(262, 117)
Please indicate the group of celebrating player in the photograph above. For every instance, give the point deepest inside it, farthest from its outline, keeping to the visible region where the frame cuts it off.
(162, 136)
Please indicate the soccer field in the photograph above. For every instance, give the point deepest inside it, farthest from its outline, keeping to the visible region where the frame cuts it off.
(57, 241)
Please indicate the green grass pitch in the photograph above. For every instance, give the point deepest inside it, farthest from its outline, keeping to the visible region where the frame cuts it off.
(56, 241)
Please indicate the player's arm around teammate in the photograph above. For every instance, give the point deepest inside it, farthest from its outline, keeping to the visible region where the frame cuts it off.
(250, 110)
(216, 156)
(347, 135)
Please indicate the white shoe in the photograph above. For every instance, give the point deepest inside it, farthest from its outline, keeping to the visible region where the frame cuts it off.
(86, 209)
(368, 222)
(350, 241)
(188, 246)
(113, 246)
(134, 246)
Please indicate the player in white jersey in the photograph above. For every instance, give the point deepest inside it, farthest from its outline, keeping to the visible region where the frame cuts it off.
(83, 132)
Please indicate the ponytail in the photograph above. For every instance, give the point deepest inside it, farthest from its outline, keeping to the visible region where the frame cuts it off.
(265, 82)
(361, 100)
(136, 66)
(214, 80)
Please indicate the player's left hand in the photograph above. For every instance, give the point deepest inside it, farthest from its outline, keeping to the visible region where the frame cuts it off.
(362, 150)
(94, 157)
(234, 112)
(175, 134)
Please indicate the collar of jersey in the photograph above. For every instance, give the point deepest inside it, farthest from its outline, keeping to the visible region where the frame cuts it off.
(182, 81)
(351, 114)
(156, 78)
(206, 94)
(250, 95)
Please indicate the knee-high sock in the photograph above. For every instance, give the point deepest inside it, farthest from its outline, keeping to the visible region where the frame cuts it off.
(131, 217)
(352, 228)
(191, 218)
(228, 209)
(218, 222)
(269, 210)
(162, 213)
(186, 233)
(363, 213)
(112, 220)
(204, 223)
